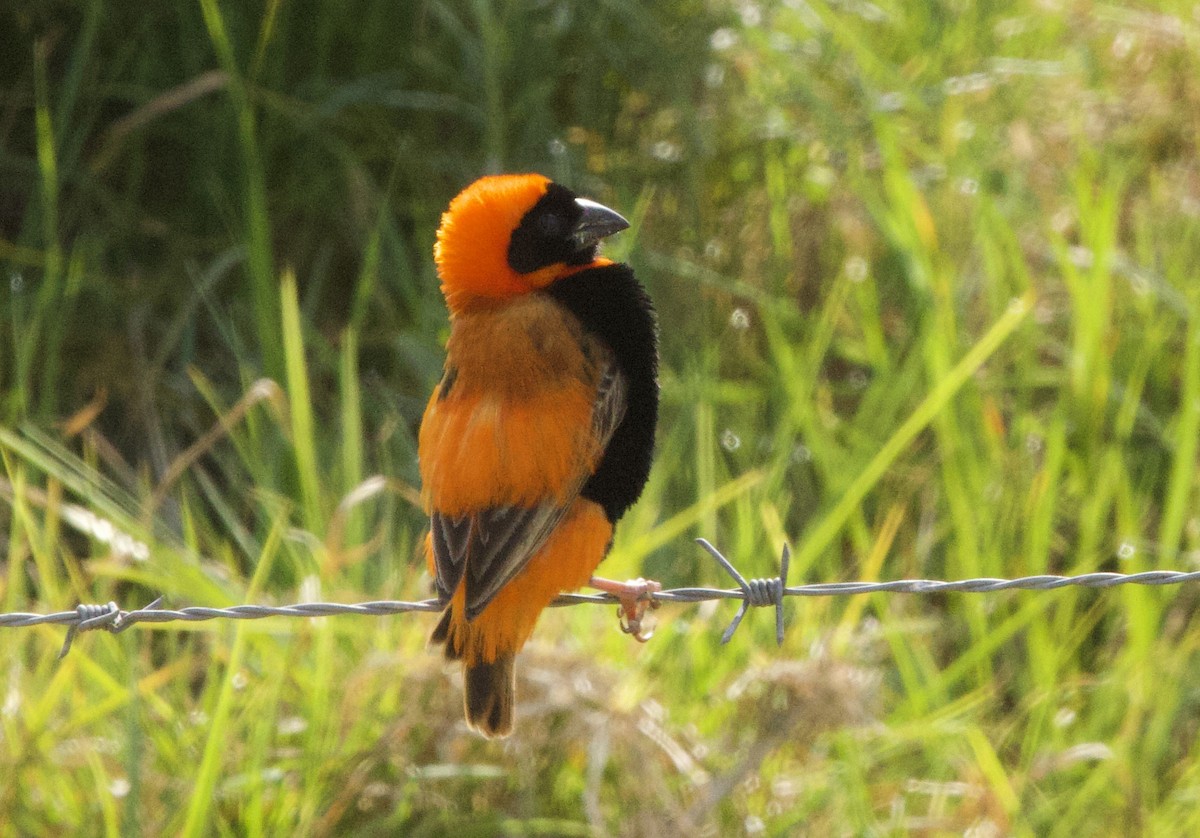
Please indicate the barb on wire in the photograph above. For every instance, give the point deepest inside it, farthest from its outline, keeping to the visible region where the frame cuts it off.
(758, 592)
(752, 593)
(88, 617)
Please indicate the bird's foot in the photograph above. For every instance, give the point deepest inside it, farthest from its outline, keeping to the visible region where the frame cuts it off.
(635, 598)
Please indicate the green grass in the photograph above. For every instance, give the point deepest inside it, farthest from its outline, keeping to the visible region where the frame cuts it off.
(926, 281)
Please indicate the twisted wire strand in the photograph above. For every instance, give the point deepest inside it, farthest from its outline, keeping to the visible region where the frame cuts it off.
(767, 592)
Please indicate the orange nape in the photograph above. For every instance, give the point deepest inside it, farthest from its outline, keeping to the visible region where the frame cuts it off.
(471, 251)
(565, 563)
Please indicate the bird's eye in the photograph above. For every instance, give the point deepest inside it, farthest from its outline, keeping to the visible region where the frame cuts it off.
(552, 225)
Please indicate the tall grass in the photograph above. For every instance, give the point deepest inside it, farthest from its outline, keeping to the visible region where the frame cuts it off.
(925, 276)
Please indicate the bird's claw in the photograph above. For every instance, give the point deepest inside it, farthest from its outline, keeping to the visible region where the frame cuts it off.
(635, 599)
(631, 621)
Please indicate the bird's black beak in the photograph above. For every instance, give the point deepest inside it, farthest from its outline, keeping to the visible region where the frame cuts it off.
(596, 223)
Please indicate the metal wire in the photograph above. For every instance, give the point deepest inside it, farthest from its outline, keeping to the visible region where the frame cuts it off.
(769, 592)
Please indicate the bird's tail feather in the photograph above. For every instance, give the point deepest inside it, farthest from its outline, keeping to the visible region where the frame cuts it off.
(441, 635)
(489, 695)
(489, 689)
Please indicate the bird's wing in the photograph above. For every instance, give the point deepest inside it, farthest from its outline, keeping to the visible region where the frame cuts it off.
(611, 402)
(490, 546)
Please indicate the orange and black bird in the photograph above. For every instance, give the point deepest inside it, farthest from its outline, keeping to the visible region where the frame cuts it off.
(540, 432)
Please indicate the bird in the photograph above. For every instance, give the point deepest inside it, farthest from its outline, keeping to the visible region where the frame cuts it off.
(539, 434)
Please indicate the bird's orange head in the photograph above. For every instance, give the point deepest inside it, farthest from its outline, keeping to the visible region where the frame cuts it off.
(506, 235)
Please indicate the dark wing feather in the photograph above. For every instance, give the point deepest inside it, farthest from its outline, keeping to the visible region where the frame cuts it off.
(507, 538)
(493, 545)
(611, 402)
(489, 547)
(450, 536)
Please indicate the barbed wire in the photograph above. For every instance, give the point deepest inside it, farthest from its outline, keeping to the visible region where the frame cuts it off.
(767, 592)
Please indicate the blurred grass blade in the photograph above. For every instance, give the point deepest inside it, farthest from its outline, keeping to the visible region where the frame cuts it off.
(259, 250)
(304, 440)
(823, 534)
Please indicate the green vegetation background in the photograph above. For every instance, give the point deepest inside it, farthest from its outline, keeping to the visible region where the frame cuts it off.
(927, 280)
